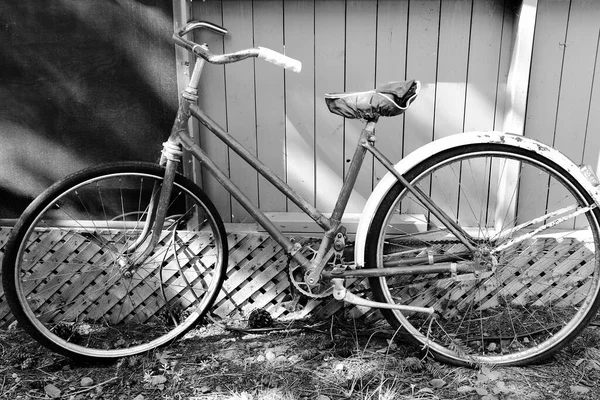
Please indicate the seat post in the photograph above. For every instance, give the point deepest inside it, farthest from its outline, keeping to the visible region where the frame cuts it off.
(367, 136)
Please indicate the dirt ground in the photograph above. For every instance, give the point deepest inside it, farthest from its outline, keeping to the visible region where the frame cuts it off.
(331, 360)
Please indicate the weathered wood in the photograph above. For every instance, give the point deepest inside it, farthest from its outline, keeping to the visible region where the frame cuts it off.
(300, 100)
(212, 98)
(578, 69)
(361, 34)
(450, 93)
(258, 278)
(270, 100)
(330, 55)
(184, 64)
(300, 223)
(241, 110)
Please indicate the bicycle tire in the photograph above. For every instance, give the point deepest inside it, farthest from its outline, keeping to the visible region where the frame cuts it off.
(541, 291)
(73, 275)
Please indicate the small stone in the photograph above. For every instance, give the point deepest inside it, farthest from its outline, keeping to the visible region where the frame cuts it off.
(281, 359)
(204, 389)
(86, 382)
(270, 356)
(52, 391)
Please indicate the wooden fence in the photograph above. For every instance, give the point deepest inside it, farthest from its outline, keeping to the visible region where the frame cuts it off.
(462, 52)
(257, 278)
(459, 50)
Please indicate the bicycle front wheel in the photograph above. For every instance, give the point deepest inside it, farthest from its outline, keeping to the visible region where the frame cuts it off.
(82, 279)
(533, 283)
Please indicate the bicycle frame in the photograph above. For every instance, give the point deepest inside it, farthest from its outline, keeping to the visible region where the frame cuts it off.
(331, 226)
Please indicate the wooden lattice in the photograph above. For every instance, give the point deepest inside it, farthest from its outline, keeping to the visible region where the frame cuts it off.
(257, 277)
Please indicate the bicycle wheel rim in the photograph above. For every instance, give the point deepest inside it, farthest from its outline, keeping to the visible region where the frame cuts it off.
(150, 299)
(454, 350)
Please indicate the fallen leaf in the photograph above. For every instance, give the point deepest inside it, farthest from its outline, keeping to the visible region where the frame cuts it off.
(158, 380)
(204, 389)
(489, 397)
(579, 389)
(494, 375)
(481, 391)
(502, 387)
(425, 390)
(437, 383)
(465, 389)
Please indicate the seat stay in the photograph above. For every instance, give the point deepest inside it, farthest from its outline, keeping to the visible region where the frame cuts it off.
(427, 202)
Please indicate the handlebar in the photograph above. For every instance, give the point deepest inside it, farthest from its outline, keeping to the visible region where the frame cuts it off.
(268, 55)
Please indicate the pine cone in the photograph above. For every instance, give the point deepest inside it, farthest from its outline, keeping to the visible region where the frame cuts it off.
(260, 319)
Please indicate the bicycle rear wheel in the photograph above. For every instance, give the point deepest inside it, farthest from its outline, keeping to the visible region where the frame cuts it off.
(73, 272)
(541, 286)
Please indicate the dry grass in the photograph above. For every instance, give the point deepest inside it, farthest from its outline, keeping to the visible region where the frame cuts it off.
(337, 361)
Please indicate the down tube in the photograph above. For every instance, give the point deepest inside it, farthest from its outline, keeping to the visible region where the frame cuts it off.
(237, 193)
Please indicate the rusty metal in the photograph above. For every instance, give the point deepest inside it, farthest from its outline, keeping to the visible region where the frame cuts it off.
(453, 227)
(444, 264)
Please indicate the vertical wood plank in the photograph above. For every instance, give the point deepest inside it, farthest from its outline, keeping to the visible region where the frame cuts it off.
(520, 66)
(544, 83)
(299, 99)
(422, 56)
(361, 34)
(546, 70)
(591, 148)
(270, 111)
(484, 65)
(575, 89)
(423, 33)
(239, 81)
(392, 27)
(517, 88)
(329, 77)
(578, 71)
(211, 93)
(453, 56)
(184, 63)
(506, 39)
(485, 55)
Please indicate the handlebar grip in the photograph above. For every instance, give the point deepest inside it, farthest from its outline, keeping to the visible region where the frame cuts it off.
(279, 59)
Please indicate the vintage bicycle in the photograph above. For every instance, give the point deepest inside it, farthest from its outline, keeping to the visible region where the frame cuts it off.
(119, 259)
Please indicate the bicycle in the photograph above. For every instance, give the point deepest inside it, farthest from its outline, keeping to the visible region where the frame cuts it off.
(487, 277)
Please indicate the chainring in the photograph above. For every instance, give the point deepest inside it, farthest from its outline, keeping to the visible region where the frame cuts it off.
(296, 272)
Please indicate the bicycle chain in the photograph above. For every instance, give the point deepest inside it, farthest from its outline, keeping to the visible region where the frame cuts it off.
(337, 262)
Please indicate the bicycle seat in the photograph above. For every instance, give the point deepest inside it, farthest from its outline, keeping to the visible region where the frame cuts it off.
(387, 100)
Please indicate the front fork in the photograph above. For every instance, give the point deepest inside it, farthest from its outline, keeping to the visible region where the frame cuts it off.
(161, 193)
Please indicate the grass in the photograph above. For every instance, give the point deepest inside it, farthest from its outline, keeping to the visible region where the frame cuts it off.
(336, 361)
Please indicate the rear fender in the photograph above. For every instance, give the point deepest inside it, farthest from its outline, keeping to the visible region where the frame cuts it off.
(454, 141)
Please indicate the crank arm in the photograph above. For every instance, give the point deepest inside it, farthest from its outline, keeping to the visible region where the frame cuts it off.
(342, 294)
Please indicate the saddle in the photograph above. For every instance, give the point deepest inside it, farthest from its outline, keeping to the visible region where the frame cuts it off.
(387, 100)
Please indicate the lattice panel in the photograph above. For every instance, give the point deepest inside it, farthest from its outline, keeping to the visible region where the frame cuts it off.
(257, 277)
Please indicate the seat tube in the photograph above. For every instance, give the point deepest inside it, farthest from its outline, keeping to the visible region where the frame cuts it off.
(367, 134)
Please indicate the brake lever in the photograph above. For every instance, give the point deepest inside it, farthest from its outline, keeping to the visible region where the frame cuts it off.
(190, 26)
